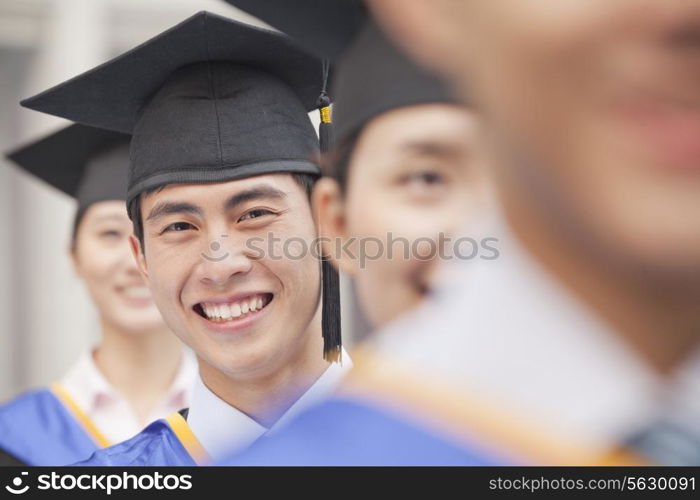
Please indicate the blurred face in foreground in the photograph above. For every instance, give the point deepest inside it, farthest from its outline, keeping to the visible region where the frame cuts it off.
(413, 178)
(594, 111)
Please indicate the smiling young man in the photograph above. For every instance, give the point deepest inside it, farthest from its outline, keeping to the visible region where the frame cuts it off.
(222, 164)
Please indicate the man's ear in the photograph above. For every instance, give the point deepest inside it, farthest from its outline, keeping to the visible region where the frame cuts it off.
(138, 254)
(329, 210)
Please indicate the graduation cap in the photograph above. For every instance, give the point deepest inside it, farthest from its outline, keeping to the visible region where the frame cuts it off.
(87, 163)
(209, 100)
(372, 75)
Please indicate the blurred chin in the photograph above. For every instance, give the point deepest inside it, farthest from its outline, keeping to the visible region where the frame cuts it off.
(669, 244)
(139, 321)
(380, 311)
(651, 218)
(646, 231)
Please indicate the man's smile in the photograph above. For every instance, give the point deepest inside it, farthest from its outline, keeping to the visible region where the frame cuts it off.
(232, 309)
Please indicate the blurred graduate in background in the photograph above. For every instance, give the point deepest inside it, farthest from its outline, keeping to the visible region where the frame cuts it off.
(594, 123)
(139, 370)
(579, 344)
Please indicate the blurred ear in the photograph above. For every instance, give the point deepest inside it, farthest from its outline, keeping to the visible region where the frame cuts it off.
(73, 256)
(327, 202)
(140, 258)
(423, 28)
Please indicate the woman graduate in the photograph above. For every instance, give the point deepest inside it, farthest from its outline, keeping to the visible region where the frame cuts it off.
(139, 370)
(223, 157)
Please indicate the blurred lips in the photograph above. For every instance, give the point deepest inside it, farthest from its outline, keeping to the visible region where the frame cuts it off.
(670, 133)
(662, 110)
(138, 296)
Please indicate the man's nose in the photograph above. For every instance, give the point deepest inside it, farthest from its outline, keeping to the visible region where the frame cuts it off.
(221, 260)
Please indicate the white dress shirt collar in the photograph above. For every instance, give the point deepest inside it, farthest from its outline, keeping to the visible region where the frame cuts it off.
(222, 429)
(108, 410)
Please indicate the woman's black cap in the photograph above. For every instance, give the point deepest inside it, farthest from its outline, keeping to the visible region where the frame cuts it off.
(87, 163)
(372, 75)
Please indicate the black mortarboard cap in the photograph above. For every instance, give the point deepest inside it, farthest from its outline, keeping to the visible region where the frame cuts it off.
(372, 75)
(87, 163)
(209, 100)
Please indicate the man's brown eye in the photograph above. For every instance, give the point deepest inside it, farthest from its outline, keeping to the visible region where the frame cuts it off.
(254, 214)
(178, 226)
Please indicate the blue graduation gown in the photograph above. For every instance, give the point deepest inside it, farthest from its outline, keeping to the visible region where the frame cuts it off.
(46, 427)
(386, 414)
(343, 432)
(165, 442)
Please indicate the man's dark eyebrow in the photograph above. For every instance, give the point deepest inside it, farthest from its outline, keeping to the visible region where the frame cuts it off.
(163, 208)
(255, 193)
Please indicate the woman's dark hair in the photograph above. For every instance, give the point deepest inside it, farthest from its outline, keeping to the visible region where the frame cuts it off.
(77, 219)
(306, 181)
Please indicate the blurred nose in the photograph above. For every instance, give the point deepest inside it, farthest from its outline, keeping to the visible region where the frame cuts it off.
(433, 255)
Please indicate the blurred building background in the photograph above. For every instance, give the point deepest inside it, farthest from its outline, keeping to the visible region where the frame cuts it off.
(46, 318)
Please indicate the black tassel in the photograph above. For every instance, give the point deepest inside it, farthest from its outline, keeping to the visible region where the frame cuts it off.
(326, 138)
(330, 314)
(325, 129)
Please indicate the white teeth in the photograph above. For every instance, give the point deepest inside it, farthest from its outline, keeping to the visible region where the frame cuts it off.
(225, 312)
(235, 310)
